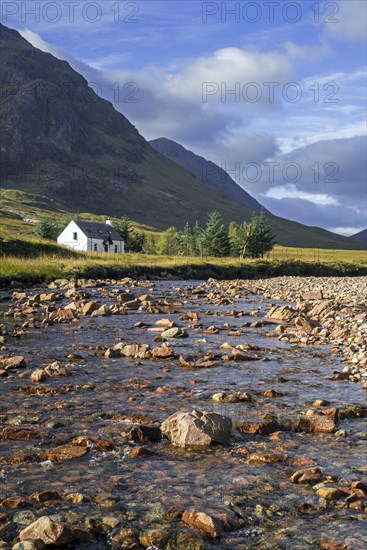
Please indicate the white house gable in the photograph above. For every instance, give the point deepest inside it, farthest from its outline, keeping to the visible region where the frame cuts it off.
(73, 237)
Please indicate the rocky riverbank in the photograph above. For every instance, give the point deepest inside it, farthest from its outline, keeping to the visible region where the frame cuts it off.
(319, 311)
(184, 415)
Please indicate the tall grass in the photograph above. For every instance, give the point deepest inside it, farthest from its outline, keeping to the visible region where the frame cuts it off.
(47, 267)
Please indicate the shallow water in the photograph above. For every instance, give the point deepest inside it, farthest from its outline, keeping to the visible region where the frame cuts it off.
(146, 489)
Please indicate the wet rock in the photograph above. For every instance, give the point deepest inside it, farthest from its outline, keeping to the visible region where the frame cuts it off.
(140, 452)
(102, 311)
(48, 531)
(146, 434)
(29, 545)
(353, 411)
(223, 397)
(175, 332)
(319, 308)
(197, 429)
(38, 375)
(317, 423)
(24, 518)
(240, 355)
(165, 323)
(46, 497)
(56, 370)
(272, 393)
(127, 537)
(65, 452)
(281, 313)
(154, 537)
(15, 362)
(89, 307)
(321, 403)
(21, 433)
(329, 493)
(77, 498)
(134, 350)
(264, 427)
(15, 502)
(196, 362)
(329, 544)
(98, 443)
(305, 324)
(163, 352)
(62, 316)
(226, 397)
(203, 522)
(308, 476)
(83, 536)
(74, 357)
(265, 458)
(133, 305)
(185, 540)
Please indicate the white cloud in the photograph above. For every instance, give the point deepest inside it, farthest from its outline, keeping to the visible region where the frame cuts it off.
(38, 42)
(349, 21)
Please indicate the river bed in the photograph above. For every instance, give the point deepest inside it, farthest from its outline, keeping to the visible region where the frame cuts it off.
(105, 397)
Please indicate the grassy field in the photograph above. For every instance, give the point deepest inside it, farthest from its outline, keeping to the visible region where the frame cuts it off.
(46, 267)
(25, 258)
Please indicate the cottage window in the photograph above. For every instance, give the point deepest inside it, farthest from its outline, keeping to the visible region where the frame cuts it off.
(75, 236)
(95, 247)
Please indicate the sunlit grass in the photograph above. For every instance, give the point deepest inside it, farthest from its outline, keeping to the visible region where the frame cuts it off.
(52, 266)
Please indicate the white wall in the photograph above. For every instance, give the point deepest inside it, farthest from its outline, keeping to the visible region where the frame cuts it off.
(66, 238)
(111, 248)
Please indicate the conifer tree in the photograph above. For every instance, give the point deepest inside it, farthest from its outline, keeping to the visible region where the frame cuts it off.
(215, 237)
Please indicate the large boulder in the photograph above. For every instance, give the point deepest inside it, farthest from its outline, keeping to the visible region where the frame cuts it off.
(134, 350)
(197, 429)
(48, 531)
(15, 362)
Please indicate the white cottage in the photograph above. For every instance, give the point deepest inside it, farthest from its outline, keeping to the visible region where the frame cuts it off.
(92, 237)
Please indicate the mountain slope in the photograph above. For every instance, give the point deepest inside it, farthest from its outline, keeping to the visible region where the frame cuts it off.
(205, 171)
(62, 142)
(360, 237)
(214, 177)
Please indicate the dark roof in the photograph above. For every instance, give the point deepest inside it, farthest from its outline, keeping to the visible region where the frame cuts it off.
(95, 230)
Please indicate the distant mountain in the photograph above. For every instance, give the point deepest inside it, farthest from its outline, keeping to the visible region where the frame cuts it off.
(214, 177)
(360, 237)
(70, 149)
(206, 172)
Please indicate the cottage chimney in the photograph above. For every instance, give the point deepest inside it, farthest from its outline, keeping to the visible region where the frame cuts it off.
(109, 222)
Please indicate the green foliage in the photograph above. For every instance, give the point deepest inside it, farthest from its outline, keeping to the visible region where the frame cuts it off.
(235, 238)
(47, 229)
(190, 240)
(134, 241)
(124, 228)
(258, 237)
(215, 240)
(150, 245)
(251, 239)
(168, 243)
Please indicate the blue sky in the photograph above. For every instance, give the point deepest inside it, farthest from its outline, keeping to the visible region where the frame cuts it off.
(274, 91)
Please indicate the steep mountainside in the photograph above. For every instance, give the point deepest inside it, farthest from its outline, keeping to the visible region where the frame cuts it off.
(62, 143)
(207, 172)
(360, 237)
